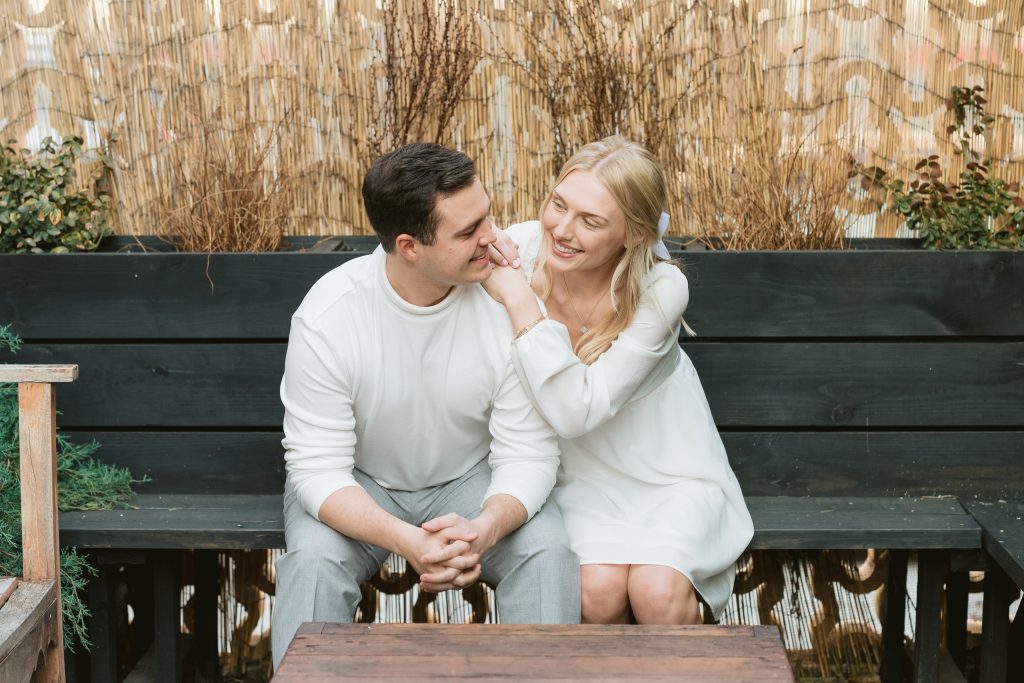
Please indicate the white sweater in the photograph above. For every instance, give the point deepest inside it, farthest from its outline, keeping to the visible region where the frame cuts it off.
(412, 396)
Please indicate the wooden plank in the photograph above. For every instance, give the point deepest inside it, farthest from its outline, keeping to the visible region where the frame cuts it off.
(750, 668)
(194, 462)
(931, 575)
(823, 523)
(427, 644)
(995, 626)
(38, 447)
(29, 627)
(809, 385)
(736, 295)
(8, 584)
(1002, 525)
(180, 521)
(159, 296)
(854, 294)
(900, 464)
(863, 385)
(515, 630)
(878, 463)
(198, 385)
(893, 651)
(256, 521)
(10, 372)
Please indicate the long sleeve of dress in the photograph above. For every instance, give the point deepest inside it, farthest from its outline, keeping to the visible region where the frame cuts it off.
(319, 423)
(575, 398)
(524, 450)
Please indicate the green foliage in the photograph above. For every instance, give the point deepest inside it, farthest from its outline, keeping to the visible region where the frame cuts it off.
(40, 210)
(82, 483)
(978, 211)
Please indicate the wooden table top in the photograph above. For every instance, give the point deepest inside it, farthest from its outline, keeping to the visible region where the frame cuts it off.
(430, 652)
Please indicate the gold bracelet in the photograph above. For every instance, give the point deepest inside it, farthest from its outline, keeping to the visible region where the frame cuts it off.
(528, 327)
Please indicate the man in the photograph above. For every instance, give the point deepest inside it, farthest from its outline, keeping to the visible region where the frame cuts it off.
(406, 428)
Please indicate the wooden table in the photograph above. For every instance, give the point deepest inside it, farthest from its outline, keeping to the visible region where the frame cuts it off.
(421, 652)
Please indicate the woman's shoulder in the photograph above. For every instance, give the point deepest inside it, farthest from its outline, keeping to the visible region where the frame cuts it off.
(667, 285)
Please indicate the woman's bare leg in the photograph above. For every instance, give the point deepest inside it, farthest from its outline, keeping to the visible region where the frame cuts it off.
(661, 595)
(605, 599)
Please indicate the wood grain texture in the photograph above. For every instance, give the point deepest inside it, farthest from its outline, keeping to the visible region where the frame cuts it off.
(1002, 525)
(767, 463)
(200, 462)
(823, 522)
(180, 521)
(29, 628)
(38, 446)
(878, 463)
(752, 386)
(736, 295)
(250, 521)
(8, 584)
(487, 652)
(38, 373)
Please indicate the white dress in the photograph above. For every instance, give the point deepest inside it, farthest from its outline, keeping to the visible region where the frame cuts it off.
(644, 477)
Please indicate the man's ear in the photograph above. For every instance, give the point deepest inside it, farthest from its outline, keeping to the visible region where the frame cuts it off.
(407, 247)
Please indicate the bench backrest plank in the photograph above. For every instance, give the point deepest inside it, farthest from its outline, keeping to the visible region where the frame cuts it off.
(856, 374)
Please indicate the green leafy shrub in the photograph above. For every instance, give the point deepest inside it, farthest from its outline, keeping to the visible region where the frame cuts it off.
(40, 208)
(82, 483)
(976, 212)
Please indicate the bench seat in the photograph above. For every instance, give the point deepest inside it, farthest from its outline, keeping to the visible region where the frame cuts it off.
(780, 522)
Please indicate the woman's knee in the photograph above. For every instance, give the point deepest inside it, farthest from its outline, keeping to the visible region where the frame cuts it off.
(604, 592)
(661, 595)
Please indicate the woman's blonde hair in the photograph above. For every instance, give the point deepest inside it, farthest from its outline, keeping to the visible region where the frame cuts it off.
(637, 183)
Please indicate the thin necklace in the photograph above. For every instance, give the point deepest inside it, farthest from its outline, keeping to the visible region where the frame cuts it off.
(583, 321)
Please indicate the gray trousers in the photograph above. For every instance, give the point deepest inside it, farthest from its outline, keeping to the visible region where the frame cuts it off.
(535, 574)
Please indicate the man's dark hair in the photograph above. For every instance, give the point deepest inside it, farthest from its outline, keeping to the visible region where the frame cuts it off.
(401, 189)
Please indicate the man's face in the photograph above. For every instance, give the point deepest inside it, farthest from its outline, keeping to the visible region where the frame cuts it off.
(464, 231)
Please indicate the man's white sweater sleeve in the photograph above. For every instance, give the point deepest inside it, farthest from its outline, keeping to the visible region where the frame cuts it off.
(319, 423)
(524, 448)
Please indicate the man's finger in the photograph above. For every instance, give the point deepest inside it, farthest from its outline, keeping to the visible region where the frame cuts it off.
(497, 258)
(467, 578)
(436, 587)
(442, 522)
(458, 533)
(453, 549)
(445, 575)
(463, 562)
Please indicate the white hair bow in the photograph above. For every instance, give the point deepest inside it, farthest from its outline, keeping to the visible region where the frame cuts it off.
(660, 250)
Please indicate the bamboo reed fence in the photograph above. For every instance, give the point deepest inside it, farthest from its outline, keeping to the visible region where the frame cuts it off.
(707, 84)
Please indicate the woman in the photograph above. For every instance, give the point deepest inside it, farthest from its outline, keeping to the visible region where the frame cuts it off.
(650, 503)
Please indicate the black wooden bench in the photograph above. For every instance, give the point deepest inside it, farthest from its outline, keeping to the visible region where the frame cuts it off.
(861, 397)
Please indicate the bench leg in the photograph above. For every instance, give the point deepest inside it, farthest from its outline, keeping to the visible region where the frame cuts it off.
(957, 587)
(931, 575)
(102, 625)
(166, 617)
(206, 570)
(995, 625)
(893, 617)
(1015, 664)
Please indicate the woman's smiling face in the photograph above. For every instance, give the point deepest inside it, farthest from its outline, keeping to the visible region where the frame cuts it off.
(586, 227)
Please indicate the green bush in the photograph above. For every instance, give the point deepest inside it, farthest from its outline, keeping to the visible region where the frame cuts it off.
(40, 209)
(82, 484)
(975, 212)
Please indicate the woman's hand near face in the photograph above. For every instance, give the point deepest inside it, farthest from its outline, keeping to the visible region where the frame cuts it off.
(506, 285)
(504, 251)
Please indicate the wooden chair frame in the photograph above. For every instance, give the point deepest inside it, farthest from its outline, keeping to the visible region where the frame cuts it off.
(31, 638)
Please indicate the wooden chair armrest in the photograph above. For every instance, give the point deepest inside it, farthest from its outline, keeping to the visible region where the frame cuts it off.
(38, 373)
